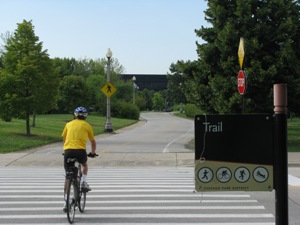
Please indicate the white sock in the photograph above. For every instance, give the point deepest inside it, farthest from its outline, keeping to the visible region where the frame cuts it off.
(84, 178)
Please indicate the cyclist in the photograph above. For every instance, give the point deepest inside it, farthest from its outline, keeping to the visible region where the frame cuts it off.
(75, 135)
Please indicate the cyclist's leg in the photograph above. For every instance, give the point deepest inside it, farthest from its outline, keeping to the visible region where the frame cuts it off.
(85, 169)
(67, 154)
(82, 159)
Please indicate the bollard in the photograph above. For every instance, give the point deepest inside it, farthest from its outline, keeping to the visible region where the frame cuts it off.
(280, 154)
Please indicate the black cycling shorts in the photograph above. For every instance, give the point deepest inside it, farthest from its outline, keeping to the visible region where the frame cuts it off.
(79, 154)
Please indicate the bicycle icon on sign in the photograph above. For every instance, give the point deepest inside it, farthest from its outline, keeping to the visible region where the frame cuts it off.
(223, 174)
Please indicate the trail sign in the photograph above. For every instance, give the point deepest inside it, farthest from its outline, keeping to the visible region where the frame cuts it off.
(242, 82)
(234, 152)
(108, 89)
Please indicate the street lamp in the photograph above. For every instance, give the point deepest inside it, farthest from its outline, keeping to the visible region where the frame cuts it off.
(133, 85)
(108, 124)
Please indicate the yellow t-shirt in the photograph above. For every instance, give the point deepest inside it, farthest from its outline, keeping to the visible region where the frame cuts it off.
(76, 134)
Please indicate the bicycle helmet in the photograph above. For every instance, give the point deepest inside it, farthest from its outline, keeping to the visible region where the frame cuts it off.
(80, 112)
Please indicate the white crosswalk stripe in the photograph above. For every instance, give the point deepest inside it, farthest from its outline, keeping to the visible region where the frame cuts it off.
(159, 196)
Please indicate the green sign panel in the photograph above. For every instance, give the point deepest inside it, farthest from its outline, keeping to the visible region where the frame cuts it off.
(234, 152)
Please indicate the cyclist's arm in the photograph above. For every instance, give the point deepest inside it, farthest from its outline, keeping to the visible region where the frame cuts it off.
(93, 145)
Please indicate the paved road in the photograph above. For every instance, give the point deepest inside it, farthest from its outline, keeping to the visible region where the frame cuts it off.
(162, 133)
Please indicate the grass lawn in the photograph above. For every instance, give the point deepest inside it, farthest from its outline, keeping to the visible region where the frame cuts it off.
(294, 135)
(48, 129)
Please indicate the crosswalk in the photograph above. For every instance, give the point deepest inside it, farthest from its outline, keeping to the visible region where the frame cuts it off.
(127, 196)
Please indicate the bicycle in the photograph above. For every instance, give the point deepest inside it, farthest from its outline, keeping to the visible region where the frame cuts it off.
(76, 195)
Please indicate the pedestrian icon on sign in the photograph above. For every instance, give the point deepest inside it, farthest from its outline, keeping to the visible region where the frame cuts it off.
(108, 88)
(205, 175)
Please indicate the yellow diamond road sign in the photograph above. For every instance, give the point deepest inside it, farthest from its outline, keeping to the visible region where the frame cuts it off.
(108, 89)
(241, 52)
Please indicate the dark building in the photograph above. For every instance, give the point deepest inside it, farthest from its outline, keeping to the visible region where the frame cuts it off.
(156, 82)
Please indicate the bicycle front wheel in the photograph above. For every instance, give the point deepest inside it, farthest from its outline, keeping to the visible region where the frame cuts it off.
(71, 201)
(82, 199)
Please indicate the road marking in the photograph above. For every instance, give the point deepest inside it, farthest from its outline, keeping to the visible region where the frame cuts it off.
(260, 223)
(122, 196)
(293, 181)
(38, 186)
(159, 216)
(159, 196)
(256, 223)
(125, 208)
(131, 202)
(166, 149)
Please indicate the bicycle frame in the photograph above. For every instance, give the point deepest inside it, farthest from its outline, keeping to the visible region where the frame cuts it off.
(73, 179)
(75, 196)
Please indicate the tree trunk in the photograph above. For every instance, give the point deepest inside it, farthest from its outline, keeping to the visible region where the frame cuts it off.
(33, 120)
(27, 124)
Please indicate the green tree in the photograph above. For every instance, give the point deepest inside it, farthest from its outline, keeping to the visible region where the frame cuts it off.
(66, 66)
(28, 77)
(140, 102)
(73, 92)
(147, 95)
(97, 99)
(176, 83)
(158, 101)
(271, 33)
(124, 91)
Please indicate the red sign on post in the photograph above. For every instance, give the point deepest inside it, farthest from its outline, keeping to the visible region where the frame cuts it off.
(241, 82)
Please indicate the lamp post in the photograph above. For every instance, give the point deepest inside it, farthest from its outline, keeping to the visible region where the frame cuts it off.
(133, 85)
(108, 124)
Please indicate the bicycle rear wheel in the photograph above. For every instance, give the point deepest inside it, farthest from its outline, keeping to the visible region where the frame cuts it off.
(82, 200)
(71, 201)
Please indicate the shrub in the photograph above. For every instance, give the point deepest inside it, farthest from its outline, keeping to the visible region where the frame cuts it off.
(126, 110)
(179, 107)
(191, 110)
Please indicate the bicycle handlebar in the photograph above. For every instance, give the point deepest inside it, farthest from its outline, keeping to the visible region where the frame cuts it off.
(91, 155)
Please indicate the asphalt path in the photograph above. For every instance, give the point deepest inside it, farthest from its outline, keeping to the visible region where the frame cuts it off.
(160, 133)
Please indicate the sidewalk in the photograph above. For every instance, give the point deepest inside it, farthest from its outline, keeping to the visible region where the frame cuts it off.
(294, 159)
(40, 158)
(49, 155)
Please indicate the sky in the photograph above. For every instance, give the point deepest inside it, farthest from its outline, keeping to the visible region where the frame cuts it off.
(145, 36)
